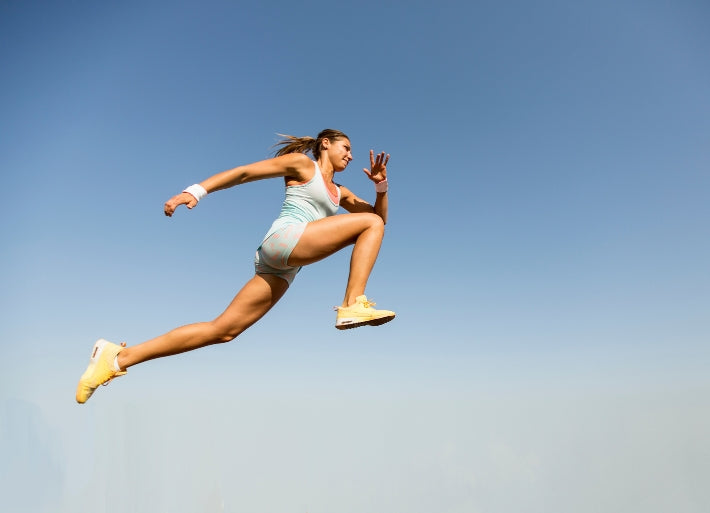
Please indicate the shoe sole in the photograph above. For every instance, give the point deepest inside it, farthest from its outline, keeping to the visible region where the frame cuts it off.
(372, 322)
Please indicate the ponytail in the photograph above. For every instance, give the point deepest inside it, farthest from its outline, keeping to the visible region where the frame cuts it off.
(292, 144)
(307, 144)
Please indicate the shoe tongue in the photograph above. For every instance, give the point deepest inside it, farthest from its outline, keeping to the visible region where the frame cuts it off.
(361, 299)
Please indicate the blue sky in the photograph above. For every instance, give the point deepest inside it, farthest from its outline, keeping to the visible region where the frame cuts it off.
(546, 255)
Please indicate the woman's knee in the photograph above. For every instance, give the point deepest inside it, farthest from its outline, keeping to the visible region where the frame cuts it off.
(374, 221)
(223, 333)
(376, 224)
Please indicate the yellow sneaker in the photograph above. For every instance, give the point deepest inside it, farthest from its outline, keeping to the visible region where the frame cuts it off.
(361, 314)
(100, 370)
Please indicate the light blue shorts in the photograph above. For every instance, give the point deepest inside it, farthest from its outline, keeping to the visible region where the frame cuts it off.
(272, 256)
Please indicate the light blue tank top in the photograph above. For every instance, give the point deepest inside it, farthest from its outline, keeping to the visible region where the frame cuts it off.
(305, 202)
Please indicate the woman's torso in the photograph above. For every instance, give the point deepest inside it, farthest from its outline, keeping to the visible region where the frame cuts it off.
(306, 202)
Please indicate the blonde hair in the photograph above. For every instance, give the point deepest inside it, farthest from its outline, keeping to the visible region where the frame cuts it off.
(307, 144)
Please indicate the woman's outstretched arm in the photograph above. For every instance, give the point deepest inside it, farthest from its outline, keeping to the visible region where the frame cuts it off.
(294, 165)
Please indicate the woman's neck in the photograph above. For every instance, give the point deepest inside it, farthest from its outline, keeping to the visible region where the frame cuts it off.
(326, 169)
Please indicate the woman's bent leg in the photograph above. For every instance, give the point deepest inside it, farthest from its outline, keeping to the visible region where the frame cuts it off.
(252, 302)
(327, 236)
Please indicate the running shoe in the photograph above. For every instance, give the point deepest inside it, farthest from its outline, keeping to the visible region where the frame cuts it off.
(100, 371)
(361, 314)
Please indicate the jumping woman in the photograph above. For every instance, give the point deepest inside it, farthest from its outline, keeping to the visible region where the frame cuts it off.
(306, 231)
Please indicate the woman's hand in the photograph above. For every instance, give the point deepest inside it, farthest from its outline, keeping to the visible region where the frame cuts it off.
(378, 166)
(184, 198)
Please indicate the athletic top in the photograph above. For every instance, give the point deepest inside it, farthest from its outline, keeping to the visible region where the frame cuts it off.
(306, 202)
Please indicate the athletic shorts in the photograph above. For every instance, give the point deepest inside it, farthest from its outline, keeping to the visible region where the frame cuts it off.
(272, 256)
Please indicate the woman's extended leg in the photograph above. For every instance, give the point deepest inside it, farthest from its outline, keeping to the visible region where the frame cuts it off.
(326, 236)
(249, 305)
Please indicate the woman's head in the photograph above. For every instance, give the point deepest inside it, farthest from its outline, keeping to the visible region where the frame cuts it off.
(307, 144)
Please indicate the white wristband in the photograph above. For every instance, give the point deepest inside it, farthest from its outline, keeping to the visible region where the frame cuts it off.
(381, 186)
(197, 191)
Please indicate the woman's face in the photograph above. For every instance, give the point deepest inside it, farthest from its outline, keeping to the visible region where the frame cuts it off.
(338, 152)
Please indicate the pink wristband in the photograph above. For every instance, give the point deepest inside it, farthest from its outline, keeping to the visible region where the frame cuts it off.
(381, 186)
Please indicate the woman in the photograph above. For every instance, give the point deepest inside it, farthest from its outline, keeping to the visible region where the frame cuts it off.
(307, 230)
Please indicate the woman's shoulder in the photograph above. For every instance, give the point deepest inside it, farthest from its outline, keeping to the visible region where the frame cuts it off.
(299, 166)
(298, 160)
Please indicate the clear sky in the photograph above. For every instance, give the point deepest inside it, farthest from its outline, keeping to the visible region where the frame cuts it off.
(547, 256)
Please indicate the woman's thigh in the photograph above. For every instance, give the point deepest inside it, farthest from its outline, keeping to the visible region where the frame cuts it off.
(251, 303)
(329, 235)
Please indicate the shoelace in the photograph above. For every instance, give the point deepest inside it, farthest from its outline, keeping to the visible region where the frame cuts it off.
(366, 304)
(118, 373)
